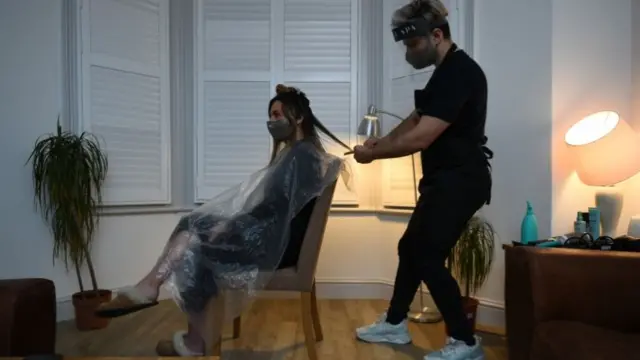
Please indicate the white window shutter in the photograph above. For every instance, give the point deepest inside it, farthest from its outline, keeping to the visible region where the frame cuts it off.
(234, 81)
(398, 177)
(124, 66)
(320, 57)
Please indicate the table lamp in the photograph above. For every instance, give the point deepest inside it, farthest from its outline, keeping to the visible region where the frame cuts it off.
(606, 152)
(370, 124)
(370, 127)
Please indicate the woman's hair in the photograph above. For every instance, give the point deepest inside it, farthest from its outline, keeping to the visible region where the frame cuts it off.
(295, 106)
(431, 10)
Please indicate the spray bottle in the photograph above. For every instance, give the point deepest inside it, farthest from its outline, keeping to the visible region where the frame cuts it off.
(529, 227)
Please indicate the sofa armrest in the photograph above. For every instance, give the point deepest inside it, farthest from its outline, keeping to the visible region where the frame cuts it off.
(27, 317)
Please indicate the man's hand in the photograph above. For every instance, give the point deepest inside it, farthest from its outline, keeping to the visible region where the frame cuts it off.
(363, 154)
(418, 138)
(371, 142)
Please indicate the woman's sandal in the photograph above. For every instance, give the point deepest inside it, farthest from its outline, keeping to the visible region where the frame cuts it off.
(127, 301)
(175, 347)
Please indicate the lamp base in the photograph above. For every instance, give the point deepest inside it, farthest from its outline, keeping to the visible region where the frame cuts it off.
(426, 316)
(609, 202)
(634, 226)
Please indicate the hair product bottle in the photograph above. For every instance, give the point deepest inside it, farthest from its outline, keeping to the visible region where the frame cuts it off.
(594, 222)
(579, 226)
(529, 227)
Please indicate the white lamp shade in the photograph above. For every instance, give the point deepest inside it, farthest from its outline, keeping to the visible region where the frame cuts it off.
(605, 148)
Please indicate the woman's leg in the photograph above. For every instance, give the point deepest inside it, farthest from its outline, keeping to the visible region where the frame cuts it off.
(194, 338)
(177, 256)
(173, 253)
(191, 228)
(185, 343)
(200, 297)
(205, 326)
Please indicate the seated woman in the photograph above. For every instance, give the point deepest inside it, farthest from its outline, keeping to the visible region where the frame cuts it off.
(255, 227)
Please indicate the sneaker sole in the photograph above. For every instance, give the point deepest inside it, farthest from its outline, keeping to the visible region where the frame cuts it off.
(480, 357)
(387, 340)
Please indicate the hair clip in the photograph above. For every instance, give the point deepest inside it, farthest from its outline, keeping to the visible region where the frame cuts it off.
(281, 89)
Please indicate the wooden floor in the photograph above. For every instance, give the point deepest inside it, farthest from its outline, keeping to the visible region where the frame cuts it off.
(271, 329)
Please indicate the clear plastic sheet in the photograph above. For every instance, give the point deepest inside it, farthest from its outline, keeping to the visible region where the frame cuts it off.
(236, 240)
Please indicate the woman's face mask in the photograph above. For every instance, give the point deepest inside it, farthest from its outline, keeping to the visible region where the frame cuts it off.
(278, 125)
(280, 129)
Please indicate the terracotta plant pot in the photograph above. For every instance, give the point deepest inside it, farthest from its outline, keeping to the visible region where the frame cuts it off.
(470, 307)
(85, 305)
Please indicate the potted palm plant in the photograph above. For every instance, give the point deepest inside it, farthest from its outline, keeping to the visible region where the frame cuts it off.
(68, 172)
(471, 260)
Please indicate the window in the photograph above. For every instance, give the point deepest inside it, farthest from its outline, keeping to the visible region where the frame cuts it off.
(125, 95)
(400, 81)
(196, 91)
(233, 78)
(244, 49)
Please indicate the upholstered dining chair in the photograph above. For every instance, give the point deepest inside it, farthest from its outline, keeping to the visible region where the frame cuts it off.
(300, 278)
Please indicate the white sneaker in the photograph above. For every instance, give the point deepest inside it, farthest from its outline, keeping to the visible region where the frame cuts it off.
(383, 332)
(458, 350)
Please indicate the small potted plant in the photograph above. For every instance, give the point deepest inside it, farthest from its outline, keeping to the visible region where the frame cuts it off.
(68, 172)
(471, 260)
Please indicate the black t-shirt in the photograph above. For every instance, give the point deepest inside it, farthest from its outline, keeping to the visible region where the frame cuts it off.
(457, 94)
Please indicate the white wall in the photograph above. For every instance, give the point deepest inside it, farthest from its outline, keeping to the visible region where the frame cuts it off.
(30, 100)
(635, 65)
(514, 44)
(592, 71)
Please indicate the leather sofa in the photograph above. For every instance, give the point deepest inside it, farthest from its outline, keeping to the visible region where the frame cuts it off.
(572, 304)
(27, 317)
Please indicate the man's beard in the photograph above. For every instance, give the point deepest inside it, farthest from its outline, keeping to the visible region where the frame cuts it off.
(422, 59)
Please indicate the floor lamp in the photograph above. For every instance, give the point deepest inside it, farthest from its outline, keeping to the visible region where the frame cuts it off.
(370, 127)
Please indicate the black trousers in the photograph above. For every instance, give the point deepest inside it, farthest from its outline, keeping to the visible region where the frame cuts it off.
(447, 201)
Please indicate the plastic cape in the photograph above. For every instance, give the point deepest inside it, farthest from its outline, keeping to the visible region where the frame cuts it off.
(238, 238)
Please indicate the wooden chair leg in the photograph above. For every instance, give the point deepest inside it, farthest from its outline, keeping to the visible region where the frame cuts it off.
(317, 327)
(216, 350)
(236, 327)
(215, 313)
(307, 325)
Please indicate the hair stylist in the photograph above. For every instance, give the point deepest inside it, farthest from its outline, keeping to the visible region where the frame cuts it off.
(447, 127)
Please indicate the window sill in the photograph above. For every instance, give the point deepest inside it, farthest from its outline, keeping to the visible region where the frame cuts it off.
(146, 210)
(335, 210)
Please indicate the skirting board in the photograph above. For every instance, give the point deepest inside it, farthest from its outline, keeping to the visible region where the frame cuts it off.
(490, 313)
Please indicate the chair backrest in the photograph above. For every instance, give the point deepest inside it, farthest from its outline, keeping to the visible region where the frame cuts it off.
(310, 251)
